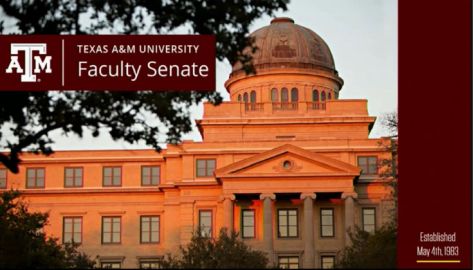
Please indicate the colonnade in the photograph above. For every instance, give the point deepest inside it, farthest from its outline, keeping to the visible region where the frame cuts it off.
(308, 199)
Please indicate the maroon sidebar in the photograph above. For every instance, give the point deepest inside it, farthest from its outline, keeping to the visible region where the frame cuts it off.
(435, 134)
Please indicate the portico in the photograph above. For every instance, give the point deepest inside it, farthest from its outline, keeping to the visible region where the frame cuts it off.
(287, 178)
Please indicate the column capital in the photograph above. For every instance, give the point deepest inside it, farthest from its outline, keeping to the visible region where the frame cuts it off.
(263, 196)
(224, 197)
(353, 195)
(311, 195)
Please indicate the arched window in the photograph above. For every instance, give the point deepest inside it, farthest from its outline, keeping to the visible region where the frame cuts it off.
(274, 95)
(294, 95)
(329, 95)
(239, 98)
(284, 95)
(253, 96)
(315, 96)
(322, 96)
(245, 97)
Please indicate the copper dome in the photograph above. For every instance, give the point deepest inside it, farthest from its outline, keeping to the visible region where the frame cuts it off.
(284, 44)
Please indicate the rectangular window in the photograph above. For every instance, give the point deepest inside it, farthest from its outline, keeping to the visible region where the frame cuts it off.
(149, 229)
(205, 222)
(205, 167)
(150, 175)
(248, 223)
(35, 178)
(326, 222)
(111, 230)
(368, 165)
(327, 262)
(73, 177)
(287, 223)
(72, 230)
(3, 178)
(288, 262)
(150, 265)
(111, 265)
(369, 219)
(112, 176)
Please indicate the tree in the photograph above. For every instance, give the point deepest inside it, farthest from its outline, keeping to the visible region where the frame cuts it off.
(32, 116)
(370, 250)
(225, 252)
(389, 166)
(23, 244)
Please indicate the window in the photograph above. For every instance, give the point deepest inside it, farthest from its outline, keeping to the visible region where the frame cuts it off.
(111, 265)
(239, 98)
(329, 95)
(111, 230)
(150, 175)
(150, 264)
(287, 164)
(205, 222)
(288, 262)
(284, 95)
(35, 178)
(72, 230)
(369, 219)
(327, 262)
(294, 95)
(205, 167)
(245, 97)
(287, 223)
(322, 96)
(3, 178)
(368, 165)
(274, 95)
(248, 223)
(149, 229)
(315, 95)
(326, 222)
(253, 97)
(73, 177)
(112, 176)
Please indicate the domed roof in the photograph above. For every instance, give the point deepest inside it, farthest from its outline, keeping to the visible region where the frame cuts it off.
(284, 44)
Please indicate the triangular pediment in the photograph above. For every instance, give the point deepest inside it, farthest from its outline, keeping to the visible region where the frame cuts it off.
(287, 160)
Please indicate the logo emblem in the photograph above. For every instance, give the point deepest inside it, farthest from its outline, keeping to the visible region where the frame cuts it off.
(33, 64)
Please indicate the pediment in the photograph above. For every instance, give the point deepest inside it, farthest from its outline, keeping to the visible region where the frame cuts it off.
(287, 160)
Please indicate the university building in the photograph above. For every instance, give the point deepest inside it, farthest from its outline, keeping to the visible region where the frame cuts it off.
(285, 163)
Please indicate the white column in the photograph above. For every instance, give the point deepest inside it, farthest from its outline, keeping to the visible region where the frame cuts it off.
(309, 249)
(349, 214)
(268, 234)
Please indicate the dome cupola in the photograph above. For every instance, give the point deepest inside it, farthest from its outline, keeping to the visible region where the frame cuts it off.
(288, 56)
(286, 44)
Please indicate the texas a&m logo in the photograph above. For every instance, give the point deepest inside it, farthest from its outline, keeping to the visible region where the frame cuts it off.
(32, 64)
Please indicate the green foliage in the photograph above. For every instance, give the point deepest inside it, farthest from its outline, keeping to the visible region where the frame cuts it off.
(370, 250)
(130, 116)
(24, 245)
(225, 252)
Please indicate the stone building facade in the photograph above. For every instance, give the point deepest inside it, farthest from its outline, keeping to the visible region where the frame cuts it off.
(285, 162)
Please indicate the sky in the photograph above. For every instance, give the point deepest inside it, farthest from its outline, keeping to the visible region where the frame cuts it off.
(362, 36)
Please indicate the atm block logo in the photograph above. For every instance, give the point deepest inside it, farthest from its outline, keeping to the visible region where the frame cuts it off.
(35, 61)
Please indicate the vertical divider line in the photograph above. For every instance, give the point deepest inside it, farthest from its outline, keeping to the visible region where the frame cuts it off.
(62, 63)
